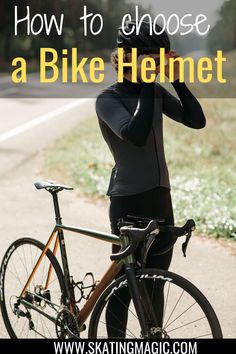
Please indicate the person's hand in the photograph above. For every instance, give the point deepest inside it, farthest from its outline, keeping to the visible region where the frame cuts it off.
(172, 54)
(148, 65)
(139, 66)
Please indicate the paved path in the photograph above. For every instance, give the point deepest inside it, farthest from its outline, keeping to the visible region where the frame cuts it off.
(25, 211)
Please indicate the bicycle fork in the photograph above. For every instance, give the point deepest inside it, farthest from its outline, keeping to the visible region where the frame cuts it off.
(134, 290)
(135, 295)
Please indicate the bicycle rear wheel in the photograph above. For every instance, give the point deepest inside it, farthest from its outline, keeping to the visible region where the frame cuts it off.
(186, 311)
(24, 321)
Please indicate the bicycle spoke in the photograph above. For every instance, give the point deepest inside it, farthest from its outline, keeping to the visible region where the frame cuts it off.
(37, 324)
(23, 264)
(204, 335)
(16, 273)
(27, 271)
(187, 324)
(120, 321)
(19, 268)
(105, 323)
(180, 315)
(42, 326)
(23, 326)
(40, 334)
(51, 282)
(174, 308)
(122, 303)
(184, 311)
(43, 270)
(46, 327)
(16, 321)
(33, 262)
(165, 306)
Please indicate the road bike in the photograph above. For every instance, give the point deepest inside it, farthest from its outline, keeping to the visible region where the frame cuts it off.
(40, 298)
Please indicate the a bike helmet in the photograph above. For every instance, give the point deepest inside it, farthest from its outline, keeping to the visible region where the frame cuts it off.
(144, 42)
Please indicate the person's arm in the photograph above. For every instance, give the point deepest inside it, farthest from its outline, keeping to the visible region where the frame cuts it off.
(134, 129)
(187, 110)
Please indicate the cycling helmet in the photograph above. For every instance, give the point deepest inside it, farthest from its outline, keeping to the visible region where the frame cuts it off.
(144, 42)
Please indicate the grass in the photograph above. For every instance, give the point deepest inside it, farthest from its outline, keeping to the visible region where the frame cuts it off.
(82, 159)
(202, 166)
(203, 169)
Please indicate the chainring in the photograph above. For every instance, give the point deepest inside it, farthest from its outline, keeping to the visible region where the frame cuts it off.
(67, 325)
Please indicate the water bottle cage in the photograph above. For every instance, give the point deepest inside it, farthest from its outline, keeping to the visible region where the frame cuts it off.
(85, 291)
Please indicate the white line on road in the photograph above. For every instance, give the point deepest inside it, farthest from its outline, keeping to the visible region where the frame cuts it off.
(41, 119)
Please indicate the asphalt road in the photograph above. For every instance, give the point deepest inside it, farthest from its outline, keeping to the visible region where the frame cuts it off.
(34, 89)
(27, 127)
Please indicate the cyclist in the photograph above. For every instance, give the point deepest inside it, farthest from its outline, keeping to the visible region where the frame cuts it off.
(130, 116)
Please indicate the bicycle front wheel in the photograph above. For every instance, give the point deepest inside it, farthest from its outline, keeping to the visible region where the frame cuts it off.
(184, 310)
(44, 295)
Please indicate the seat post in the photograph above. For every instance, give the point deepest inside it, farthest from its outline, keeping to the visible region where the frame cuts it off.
(56, 207)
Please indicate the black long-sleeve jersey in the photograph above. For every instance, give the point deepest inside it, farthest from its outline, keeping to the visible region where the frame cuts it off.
(131, 120)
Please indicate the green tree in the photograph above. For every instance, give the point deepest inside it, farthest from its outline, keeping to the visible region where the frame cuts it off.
(73, 34)
(223, 34)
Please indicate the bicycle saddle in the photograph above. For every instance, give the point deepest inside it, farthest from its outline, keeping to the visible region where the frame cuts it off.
(51, 186)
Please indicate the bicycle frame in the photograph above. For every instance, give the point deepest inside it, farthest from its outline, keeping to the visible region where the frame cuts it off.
(58, 235)
(108, 277)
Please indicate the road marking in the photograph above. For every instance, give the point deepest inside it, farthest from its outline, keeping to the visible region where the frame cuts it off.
(41, 119)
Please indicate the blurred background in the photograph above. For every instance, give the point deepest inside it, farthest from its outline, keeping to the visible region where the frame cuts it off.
(220, 13)
(222, 36)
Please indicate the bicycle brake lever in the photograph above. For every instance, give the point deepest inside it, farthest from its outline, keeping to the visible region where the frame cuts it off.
(124, 252)
(185, 244)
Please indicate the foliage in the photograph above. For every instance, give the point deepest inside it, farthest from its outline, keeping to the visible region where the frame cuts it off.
(112, 12)
(223, 34)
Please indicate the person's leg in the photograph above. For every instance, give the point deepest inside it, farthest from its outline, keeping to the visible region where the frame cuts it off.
(116, 312)
(117, 309)
(155, 203)
(160, 261)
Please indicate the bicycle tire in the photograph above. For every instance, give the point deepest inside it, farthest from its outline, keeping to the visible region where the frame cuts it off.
(98, 326)
(4, 270)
